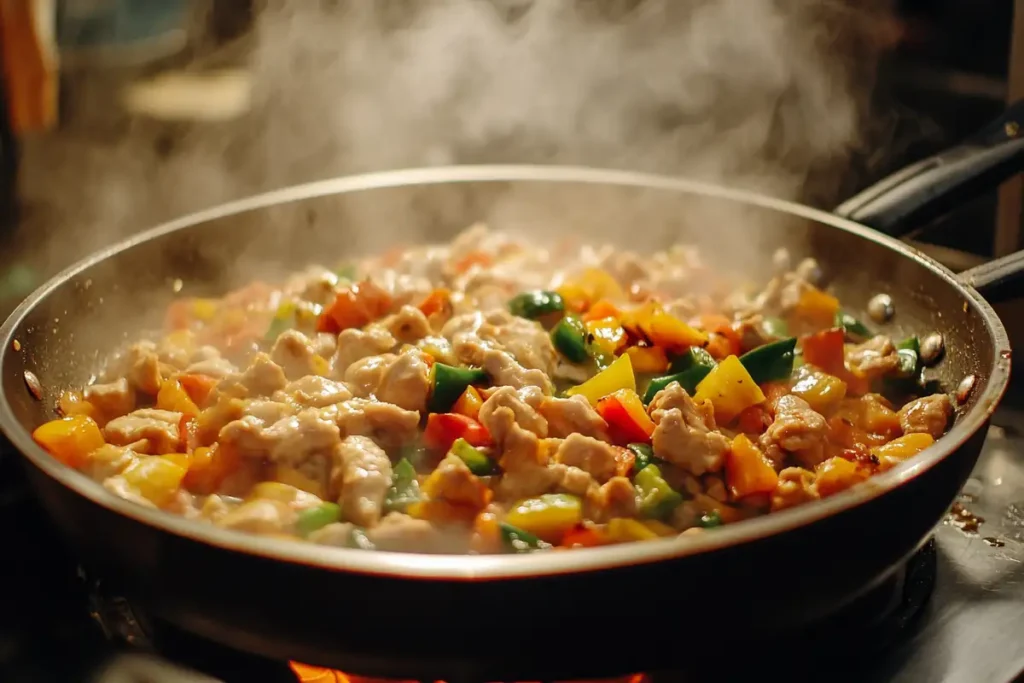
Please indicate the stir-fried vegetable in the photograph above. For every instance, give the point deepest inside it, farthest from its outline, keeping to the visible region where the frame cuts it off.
(648, 359)
(651, 322)
(405, 489)
(770, 362)
(626, 417)
(547, 517)
(537, 304)
(618, 375)
(688, 380)
(643, 455)
(606, 334)
(730, 388)
(355, 306)
(70, 439)
(899, 449)
(816, 307)
(821, 390)
(709, 520)
(517, 540)
(569, 336)
(855, 329)
(694, 357)
(156, 478)
(172, 396)
(469, 403)
(824, 349)
(657, 498)
(444, 428)
(476, 460)
(625, 530)
(318, 517)
(909, 354)
(746, 469)
(449, 383)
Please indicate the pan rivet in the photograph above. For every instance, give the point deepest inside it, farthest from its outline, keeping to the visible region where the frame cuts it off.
(932, 347)
(881, 308)
(964, 389)
(34, 387)
(16, 344)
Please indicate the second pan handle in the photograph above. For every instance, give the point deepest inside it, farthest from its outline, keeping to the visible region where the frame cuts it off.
(931, 187)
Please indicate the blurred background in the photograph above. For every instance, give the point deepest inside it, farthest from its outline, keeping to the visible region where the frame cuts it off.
(120, 114)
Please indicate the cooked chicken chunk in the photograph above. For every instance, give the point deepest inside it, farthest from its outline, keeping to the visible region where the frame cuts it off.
(682, 434)
(157, 427)
(927, 415)
(361, 476)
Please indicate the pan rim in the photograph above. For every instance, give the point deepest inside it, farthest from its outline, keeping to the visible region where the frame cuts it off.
(500, 567)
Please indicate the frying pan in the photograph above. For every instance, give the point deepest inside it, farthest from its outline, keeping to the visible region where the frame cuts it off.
(671, 603)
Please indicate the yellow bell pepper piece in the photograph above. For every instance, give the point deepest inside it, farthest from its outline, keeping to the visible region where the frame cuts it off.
(838, 474)
(157, 478)
(896, 451)
(730, 388)
(648, 359)
(174, 398)
(608, 334)
(548, 517)
(283, 493)
(659, 527)
(180, 459)
(662, 329)
(469, 403)
(293, 477)
(593, 284)
(747, 471)
(70, 439)
(822, 391)
(618, 375)
(625, 530)
(319, 365)
(204, 309)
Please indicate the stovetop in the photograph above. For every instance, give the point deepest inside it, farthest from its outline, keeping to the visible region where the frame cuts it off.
(954, 614)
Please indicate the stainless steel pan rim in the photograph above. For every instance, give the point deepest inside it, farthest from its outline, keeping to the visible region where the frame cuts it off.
(483, 567)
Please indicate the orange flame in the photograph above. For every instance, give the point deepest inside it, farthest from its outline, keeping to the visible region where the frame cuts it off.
(319, 674)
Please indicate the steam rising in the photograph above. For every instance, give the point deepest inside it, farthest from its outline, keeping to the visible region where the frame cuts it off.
(762, 94)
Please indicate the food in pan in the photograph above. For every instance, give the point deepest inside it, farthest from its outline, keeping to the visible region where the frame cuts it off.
(493, 395)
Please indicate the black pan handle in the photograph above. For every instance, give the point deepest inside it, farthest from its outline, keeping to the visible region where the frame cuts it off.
(929, 188)
(923, 191)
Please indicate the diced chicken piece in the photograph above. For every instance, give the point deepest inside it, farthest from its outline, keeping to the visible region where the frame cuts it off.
(408, 326)
(111, 400)
(143, 367)
(215, 507)
(505, 371)
(315, 284)
(402, 379)
(927, 415)
(474, 334)
(120, 487)
(590, 455)
(268, 411)
(361, 476)
(183, 503)
(213, 367)
(296, 354)
(453, 482)
(109, 460)
(385, 423)
(874, 358)
(506, 398)
(577, 481)
(176, 349)
(625, 266)
(260, 516)
(338, 534)
(290, 440)
(795, 487)
(325, 344)
(314, 391)
(573, 415)
(355, 344)
(796, 429)
(684, 434)
(525, 465)
(403, 289)
(262, 378)
(158, 427)
(398, 532)
(615, 498)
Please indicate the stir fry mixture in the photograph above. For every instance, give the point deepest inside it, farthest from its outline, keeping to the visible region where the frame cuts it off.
(493, 396)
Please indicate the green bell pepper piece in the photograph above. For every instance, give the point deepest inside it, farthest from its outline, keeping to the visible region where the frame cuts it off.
(643, 455)
(311, 519)
(477, 461)
(405, 489)
(694, 357)
(284, 319)
(518, 541)
(775, 327)
(855, 329)
(657, 498)
(347, 272)
(449, 383)
(709, 520)
(909, 353)
(688, 379)
(358, 539)
(536, 304)
(770, 362)
(570, 338)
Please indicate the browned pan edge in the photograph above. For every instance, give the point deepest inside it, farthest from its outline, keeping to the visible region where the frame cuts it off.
(461, 567)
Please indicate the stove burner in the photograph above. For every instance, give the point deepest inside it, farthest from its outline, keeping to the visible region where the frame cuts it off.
(873, 622)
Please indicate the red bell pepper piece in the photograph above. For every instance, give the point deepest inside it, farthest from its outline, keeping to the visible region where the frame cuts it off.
(627, 420)
(355, 306)
(825, 350)
(444, 428)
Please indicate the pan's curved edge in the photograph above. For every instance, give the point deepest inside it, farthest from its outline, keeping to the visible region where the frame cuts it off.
(415, 566)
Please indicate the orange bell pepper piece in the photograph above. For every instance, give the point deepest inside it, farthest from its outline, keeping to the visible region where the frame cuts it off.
(825, 350)
(438, 301)
(816, 307)
(747, 471)
(198, 387)
(209, 466)
(70, 439)
(583, 537)
(444, 428)
(626, 417)
(720, 346)
(838, 474)
(473, 258)
(174, 398)
(469, 403)
(753, 420)
(602, 309)
(355, 306)
(648, 359)
(607, 333)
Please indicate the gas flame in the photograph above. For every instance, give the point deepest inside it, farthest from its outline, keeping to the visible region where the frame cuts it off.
(318, 674)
